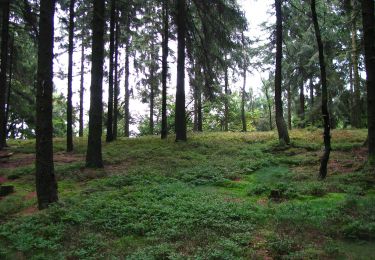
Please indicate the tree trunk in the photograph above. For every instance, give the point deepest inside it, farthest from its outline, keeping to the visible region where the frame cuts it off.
(82, 88)
(180, 120)
(280, 122)
(312, 101)
(269, 105)
(368, 21)
(3, 68)
(302, 105)
(9, 85)
(153, 86)
(117, 89)
(243, 101)
(109, 137)
(289, 105)
(226, 100)
(356, 115)
(127, 90)
(325, 114)
(164, 122)
(46, 185)
(94, 146)
(198, 123)
(69, 110)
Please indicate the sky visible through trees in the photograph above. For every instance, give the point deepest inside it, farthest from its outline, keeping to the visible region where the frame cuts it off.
(256, 12)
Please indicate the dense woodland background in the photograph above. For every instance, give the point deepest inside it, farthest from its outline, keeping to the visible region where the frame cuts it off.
(319, 90)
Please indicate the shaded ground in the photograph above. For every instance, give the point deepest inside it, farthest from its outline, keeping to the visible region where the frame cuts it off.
(218, 196)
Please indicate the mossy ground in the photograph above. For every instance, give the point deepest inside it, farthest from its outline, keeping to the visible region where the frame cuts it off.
(208, 198)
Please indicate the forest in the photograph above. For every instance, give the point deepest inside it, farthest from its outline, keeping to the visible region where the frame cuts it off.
(179, 129)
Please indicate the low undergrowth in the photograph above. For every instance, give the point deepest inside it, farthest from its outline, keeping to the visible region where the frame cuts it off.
(218, 196)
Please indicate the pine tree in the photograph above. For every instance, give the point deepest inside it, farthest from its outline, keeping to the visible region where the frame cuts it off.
(46, 186)
(94, 145)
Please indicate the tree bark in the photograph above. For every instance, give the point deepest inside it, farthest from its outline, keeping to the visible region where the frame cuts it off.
(302, 105)
(268, 104)
(9, 84)
(226, 100)
(243, 101)
(164, 122)
(356, 115)
(289, 106)
(116, 84)
(109, 137)
(127, 90)
(46, 185)
(368, 21)
(325, 113)
(94, 146)
(180, 120)
(3, 68)
(280, 122)
(312, 101)
(69, 111)
(82, 88)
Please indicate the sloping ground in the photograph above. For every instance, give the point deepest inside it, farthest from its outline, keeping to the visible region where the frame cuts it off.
(218, 196)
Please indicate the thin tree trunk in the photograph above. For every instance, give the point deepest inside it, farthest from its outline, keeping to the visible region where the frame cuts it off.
(94, 145)
(82, 88)
(289, 103)
(325, 113)
(127, 90)
(164, 123)
(312, 101)
(226, 100)
(269, 105)
(180, 120)
(69, 111)
(368, 21)
(280, 122)
(302, 105)
(46, 185)
(198, 124)
(152, 101)
(9, 84)
(109, 137)
(356, 116)
(243, 101)
(116, 90)
(3, 68)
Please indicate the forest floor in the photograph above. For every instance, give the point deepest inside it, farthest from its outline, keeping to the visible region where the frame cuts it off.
(217, 196)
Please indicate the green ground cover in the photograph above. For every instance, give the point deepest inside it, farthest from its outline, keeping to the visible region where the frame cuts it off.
(218, 196)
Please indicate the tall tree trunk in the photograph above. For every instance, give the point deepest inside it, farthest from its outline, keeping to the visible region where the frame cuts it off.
(153, 86)
(302, 105)
(46, 185)
(325, 113)
(180, 120)
(356, 115)
(109, 137)
(289, 106)
(82, 88)
(9, 84)
(243, 101)
(269, 105)
(69, 111)
(127, 90)
(280, 122)
(94, 145)
(198, 124)
(312, 101)
(164, 122)
(368, 21)
(3, 68)
(226, 100)
(116, 89)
